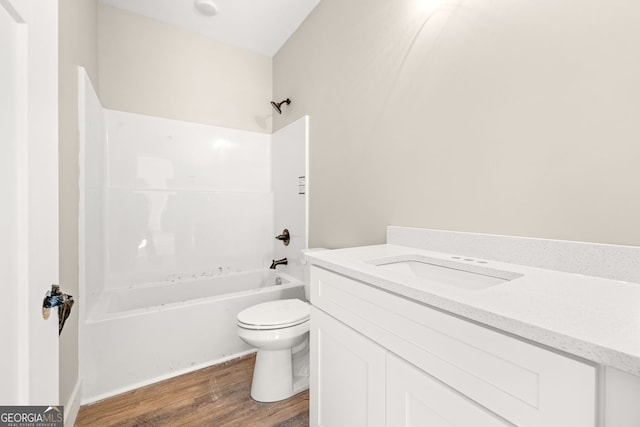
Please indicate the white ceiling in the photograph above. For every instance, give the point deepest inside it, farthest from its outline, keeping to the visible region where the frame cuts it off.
(261, 26)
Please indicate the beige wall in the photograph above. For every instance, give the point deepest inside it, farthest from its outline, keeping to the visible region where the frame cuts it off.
(78, 45)
(496, 116)
(152, 68)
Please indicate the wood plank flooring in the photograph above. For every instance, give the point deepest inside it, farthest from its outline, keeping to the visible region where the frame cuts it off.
(218, 396)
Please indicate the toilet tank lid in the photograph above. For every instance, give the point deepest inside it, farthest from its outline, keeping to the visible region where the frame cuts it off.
(274, 313)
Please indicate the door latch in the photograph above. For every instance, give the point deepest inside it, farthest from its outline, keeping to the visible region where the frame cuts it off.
(55, 298)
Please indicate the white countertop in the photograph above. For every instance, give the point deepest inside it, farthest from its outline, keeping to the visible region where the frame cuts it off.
(593, 318)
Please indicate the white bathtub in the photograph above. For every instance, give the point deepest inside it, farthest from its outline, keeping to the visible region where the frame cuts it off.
(143, 334)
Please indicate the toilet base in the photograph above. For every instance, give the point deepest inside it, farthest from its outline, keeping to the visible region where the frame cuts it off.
(279, 374)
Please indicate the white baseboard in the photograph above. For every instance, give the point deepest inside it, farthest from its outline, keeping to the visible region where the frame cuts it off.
(72, 406)
(94, 399)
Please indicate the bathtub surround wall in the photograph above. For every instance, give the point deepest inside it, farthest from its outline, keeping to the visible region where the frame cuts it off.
(503, 117)
(92, 240)
(185, 199)
(168, 200)
(156, 69)
(290, 182)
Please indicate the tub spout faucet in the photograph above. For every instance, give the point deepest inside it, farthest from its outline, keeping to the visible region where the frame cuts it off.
(278, 262)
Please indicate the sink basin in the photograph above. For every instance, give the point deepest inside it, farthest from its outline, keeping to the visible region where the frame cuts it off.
(457, 274)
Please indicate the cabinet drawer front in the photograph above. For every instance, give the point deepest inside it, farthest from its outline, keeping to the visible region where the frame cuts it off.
(527, 385)
(415, 399)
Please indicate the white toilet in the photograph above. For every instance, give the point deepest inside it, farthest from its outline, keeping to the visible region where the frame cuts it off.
(280, 331)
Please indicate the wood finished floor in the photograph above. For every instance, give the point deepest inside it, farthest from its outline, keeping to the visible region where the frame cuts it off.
(217, 396)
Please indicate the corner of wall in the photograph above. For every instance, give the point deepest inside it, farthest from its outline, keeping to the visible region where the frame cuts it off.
(78, 45)
(72, 405)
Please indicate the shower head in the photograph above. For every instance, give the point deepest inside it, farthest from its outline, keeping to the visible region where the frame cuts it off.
(279, 104)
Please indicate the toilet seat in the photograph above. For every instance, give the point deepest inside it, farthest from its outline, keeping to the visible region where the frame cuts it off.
(274, 315)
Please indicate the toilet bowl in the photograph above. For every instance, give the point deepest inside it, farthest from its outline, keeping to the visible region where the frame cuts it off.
(280, 332)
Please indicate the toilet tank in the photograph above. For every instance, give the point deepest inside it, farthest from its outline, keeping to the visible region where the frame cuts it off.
(307, 279)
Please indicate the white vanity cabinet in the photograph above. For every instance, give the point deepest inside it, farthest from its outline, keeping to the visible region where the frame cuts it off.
(379, 359)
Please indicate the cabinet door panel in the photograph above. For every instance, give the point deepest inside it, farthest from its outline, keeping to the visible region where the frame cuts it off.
(415, 399)
(347, 376)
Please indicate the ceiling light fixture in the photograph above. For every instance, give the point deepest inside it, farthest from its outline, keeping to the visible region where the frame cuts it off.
(206, 7)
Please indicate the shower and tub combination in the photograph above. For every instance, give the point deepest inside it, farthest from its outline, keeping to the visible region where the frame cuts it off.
(177, 232)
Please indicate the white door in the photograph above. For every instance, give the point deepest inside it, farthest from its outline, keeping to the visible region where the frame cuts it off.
(28, 200)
